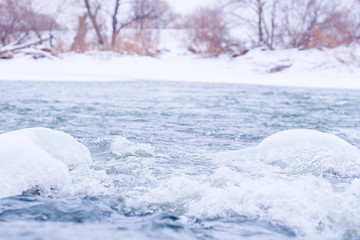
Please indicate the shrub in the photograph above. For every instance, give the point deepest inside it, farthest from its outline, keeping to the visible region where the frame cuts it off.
(315, 24)
(207, 33)
(143, 43)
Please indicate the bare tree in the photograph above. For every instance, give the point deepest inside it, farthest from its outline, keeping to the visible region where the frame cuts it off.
(20, 22)
(256, 14)
(123, 14)
(297, 23)
(151, 13)
(93, 9)
(142, 12)
(140, 33)
(12, 27)
(316, 23)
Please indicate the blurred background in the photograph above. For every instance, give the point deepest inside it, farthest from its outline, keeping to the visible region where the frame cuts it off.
(208, 28)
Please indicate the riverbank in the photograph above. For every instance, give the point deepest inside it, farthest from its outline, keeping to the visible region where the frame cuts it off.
(330, 68)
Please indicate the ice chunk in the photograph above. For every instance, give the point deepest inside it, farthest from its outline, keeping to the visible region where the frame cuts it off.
(299, 151)
(38, 157)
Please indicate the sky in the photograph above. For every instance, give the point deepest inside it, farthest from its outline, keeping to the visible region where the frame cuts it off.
(187, 6)
(49, 7)
(179, 6)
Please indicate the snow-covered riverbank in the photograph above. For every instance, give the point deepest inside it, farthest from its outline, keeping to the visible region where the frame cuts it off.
(336, 68)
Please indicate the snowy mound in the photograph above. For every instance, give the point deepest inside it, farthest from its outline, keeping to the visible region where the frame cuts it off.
(300, 151)
(38, 157)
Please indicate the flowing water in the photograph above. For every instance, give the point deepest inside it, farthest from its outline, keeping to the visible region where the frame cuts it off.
(187, 161)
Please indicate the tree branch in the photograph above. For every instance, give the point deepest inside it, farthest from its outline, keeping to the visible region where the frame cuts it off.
(14, 46)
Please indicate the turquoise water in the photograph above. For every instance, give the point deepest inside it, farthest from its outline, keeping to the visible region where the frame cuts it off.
(156, 173)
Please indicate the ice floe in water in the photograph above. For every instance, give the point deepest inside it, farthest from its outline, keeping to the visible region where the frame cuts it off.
(38, 157)
(40, 160)
(298, 151)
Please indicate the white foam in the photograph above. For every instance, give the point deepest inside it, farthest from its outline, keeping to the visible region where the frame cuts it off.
(279, 182)
(38, 157)
(308, 205)
(124, 148)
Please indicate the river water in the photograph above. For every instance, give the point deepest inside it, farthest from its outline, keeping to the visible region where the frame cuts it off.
(166, 162)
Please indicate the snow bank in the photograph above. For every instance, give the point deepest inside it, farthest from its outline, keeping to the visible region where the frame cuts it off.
(335, 68)
(38, 157)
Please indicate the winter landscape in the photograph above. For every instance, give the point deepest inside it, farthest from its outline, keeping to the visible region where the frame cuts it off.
(170, 119)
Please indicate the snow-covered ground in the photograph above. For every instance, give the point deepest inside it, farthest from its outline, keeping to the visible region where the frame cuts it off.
(336, 68)
(327, 68)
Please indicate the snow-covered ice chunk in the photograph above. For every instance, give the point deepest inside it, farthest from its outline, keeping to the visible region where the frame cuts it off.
(38, 157)
(298, 151)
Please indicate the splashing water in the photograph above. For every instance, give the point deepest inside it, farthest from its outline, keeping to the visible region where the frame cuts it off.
(178, 161)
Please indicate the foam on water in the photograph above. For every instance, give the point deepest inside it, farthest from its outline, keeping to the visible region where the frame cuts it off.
(306, 205)
(124, 148)
(304, 181)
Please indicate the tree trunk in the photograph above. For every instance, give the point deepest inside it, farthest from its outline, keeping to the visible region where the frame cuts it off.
(92, 16)
(260, 21)
(79, 44)
(115, 29)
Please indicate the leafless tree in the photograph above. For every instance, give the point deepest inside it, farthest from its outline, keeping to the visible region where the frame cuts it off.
(316, 23)
(151, 13)
(256, 14)
(136, 14)
(93, 9)
(19, 22)
(12, 27)
(141, 35)
(298, 23)
(143, 14)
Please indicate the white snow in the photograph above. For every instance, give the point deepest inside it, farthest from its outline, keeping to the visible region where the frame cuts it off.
(298, 151)
(335, 68)
(38, 157)
(327, 68)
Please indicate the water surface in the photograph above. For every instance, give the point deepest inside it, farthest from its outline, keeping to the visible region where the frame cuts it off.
(154, 174)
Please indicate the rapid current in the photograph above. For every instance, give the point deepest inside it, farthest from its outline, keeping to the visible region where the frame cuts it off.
(164, 160)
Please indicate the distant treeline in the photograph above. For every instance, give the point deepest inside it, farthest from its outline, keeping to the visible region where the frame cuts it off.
(231, 27)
